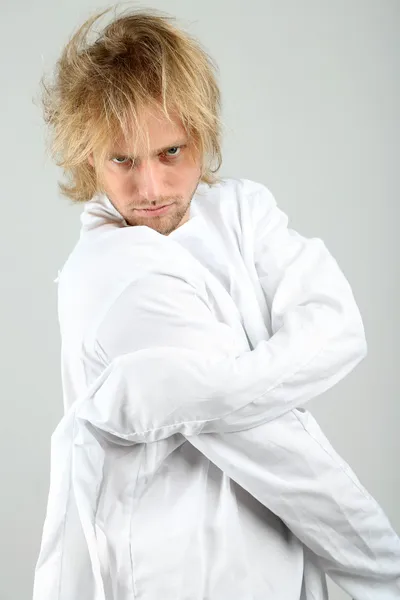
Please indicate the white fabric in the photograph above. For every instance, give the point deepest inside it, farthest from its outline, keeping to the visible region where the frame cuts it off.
(185, 467)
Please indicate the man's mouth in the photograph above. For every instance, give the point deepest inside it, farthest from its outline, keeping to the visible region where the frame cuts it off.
(152, 212)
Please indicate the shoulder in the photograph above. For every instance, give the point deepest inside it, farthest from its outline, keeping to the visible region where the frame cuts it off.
(101, 268)
(238, 203)
(235, 193)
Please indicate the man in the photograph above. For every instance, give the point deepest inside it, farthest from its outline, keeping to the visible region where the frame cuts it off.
(184, 467)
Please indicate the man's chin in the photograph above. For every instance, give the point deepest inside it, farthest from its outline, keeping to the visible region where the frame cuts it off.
(163, 225)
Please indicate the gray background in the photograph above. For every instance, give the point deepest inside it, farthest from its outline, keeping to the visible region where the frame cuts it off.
(311, 97)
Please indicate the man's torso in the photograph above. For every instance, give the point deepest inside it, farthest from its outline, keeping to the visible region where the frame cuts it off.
(169, 522)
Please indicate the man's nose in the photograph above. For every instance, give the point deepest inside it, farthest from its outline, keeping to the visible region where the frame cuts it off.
(147, 179)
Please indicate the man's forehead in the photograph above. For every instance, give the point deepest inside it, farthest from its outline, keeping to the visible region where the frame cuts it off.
(152, 131)
(151, 148)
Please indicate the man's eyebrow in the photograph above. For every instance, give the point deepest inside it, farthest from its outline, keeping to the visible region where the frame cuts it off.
(181, 142)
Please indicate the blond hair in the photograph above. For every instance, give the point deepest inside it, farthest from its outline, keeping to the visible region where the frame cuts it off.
(99, 88)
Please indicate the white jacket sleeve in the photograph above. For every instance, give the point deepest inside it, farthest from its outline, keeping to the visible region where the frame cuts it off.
(317, 330)
(317, 334)
(161, 332)
(287, 464)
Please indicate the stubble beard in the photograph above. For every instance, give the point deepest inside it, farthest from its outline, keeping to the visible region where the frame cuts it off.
(164, 224)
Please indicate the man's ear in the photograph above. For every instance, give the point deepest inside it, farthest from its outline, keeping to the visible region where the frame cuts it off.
(91, 159)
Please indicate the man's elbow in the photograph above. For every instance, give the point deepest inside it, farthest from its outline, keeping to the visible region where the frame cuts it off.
(353, 341)
(360, 348)
(363, 345)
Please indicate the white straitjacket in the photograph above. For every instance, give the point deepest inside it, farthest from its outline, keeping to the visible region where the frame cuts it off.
(185, 466)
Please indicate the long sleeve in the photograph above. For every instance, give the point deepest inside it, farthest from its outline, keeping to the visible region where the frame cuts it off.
(287, 464)
(161, 331)
(317, 333)
(316, 327)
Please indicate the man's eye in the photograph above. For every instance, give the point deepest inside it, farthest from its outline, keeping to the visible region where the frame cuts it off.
(121, 160)
(175, 151)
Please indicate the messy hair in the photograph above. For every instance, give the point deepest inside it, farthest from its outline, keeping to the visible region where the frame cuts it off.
(99, 88)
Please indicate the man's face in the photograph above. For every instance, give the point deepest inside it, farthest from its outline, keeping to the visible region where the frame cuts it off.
(157, 190)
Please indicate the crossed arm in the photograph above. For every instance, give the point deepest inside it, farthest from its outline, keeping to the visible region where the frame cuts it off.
(172, 370)
(163, 326)
(171, 367)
